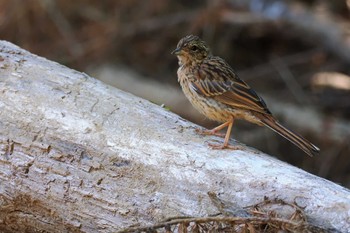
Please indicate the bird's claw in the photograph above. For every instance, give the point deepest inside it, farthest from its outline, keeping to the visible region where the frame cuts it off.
(223, 146)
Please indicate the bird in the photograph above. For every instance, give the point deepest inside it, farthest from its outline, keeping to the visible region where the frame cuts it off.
(216, 91)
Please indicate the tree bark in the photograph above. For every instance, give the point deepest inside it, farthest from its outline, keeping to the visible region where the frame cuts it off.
(77, 155)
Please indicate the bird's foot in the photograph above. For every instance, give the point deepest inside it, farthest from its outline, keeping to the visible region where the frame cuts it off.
(223, 146)
(209, 132)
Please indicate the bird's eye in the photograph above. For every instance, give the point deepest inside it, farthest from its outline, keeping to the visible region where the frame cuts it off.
(194, 48)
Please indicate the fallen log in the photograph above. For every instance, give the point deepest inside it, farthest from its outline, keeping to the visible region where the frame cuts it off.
(77, 155)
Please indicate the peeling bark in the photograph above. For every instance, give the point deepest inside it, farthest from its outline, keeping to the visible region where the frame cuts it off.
(77, 155)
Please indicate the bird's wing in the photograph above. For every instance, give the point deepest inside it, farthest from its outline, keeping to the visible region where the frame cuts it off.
(217, 80)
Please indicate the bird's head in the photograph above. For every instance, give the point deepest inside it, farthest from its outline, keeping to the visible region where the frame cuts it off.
(191, 49)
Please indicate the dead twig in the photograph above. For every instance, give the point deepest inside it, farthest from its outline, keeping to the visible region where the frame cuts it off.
(266, 215)
(290, 81)
(210, 220)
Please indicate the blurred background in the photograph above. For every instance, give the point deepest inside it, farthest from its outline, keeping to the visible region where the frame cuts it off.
(296, 54)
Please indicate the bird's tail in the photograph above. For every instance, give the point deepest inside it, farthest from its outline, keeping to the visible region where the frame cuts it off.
(294, 138)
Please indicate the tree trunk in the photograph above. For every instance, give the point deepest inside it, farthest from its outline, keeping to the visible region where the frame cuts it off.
(77, 155)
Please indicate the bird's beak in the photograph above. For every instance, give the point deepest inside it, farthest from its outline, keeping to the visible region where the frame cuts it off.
(176, 51)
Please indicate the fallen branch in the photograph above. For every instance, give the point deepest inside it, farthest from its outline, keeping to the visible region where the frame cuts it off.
(80, 156)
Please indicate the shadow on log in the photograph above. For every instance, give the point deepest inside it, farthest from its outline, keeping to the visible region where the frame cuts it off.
(80, 156)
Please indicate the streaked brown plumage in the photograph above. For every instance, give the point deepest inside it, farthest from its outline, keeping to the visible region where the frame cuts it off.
(216, 91)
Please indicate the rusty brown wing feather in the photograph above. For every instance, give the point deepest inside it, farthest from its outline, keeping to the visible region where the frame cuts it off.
(217, 80)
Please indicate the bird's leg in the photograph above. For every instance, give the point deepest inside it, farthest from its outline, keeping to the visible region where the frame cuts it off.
(229, 123)
(214, 131)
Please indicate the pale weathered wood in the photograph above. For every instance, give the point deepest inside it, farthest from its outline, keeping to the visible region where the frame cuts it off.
(78, 155)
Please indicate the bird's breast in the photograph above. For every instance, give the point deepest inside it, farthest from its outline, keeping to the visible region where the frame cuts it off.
(205, 105)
